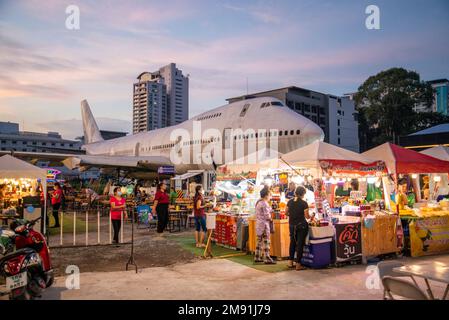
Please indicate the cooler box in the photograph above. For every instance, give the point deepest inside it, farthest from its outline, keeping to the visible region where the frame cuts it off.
(317, 254)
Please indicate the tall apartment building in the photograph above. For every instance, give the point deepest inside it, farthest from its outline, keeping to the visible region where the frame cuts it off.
(335, 115)
(160, 99)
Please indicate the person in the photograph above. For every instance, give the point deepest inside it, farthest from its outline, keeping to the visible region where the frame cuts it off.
(160, 206)
(173, 196)
(290, 191)
(401, 198)
(298, 211)
(263, 219)
(56, 200)
(199, 216)
(91, 195)
(118, 205)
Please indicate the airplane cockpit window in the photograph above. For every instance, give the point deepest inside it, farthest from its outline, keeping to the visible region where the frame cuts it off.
(276, 103)
(245, 108)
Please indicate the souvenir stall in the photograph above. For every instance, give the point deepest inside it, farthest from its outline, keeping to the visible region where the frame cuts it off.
(19, 194)
(418, 178)
(347, 189)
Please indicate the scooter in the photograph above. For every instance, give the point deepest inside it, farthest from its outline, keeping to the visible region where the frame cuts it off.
(27, 270)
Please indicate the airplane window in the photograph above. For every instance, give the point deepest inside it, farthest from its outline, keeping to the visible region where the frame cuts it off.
(276, 103)
(256, 134)
(275, 133)
(286, 132)
(240, 137)
(298, 131)
(280, 133)
(252, 135)
(263, 105)
(292, 132)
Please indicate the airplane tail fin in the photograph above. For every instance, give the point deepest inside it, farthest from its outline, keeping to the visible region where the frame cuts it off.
(91, 132)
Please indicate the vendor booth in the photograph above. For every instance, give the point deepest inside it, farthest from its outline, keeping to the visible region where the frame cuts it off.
(418, 178)
(19, 196)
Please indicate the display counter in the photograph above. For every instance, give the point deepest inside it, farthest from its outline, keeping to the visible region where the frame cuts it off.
(280, 239)
(379, 235)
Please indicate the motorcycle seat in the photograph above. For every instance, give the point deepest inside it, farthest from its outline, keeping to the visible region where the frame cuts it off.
(16, 253)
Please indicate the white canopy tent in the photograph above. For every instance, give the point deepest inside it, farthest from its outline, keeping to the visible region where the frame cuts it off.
(13, 168)
(309, 156)
(439, 152)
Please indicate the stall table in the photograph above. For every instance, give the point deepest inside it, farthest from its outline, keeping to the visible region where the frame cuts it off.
(280, 239)
(381, 237)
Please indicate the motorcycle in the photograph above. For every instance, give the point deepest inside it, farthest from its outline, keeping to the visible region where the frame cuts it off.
(27, 270)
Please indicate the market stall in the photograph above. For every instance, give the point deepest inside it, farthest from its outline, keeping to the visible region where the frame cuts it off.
(424, 219)
(19, 196)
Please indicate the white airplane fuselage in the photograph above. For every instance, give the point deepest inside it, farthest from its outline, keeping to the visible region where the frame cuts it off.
(293, 131)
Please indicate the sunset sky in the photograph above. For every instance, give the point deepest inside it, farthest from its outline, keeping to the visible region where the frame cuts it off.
(46, 69)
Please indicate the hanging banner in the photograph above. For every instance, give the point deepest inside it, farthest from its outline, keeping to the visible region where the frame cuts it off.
(353, 167)
(348, 240)
(429, 236)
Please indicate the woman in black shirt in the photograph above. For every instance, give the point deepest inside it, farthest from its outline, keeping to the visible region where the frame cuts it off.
(298, 212)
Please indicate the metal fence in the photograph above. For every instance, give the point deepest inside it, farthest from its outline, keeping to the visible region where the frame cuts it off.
(86, 226)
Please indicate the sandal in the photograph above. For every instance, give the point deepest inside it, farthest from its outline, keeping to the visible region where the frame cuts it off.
(300, 267)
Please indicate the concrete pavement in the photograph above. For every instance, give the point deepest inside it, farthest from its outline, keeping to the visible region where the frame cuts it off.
(224, 279)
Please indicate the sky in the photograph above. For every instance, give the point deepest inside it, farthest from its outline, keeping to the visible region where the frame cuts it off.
(47, 69)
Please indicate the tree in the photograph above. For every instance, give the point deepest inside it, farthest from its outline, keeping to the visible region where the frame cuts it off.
(386, 104)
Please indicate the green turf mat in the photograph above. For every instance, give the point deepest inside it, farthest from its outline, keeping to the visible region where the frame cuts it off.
(187, 242)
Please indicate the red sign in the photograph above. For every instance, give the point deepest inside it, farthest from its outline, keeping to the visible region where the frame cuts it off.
(343, 166)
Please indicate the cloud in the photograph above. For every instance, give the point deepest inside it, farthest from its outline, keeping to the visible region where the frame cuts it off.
(263, 15)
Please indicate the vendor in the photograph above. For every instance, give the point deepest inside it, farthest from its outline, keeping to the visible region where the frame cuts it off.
(290, 191)
(401, 197)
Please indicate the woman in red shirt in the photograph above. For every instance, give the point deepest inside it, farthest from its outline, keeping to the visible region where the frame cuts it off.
(160, 206)
(56, 199)
(118, 205)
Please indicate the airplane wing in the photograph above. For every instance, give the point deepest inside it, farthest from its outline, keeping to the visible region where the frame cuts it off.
(144, 162)
(73, 161)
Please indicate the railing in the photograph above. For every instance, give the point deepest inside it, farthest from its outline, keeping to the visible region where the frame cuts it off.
(86, 227)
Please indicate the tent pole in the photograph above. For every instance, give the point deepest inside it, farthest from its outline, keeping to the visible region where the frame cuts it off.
(289, 166)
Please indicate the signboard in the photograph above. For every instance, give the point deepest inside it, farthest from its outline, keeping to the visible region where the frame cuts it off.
(348, 240)
(166, 170)
(344, 166)
(429, 236)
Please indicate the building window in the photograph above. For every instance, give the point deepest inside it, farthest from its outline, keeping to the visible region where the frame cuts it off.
(338, 131)
(314, 109)
(339, 141)
(307, 107)
(338, 122)
(24, 142)
(44, 143)
(314, 119)
(14, 142)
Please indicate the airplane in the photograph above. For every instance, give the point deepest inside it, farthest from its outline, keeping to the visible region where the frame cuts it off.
(239, 123)
(234, 123)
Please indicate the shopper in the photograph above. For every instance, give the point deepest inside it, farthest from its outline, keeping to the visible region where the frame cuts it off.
(297, 211)
(56, 200)
(263, 219)
(160, 206)
(290, 191)
(199, 216)
(118, 206)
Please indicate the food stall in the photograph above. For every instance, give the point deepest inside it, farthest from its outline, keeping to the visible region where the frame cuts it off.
(425, 221)
(19, 196)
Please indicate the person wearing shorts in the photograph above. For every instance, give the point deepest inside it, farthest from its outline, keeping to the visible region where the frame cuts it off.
(199, 216)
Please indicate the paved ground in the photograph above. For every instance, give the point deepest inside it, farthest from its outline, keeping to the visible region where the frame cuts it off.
(224, 279)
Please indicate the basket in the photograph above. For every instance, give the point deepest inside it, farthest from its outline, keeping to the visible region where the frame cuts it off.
(321, 232)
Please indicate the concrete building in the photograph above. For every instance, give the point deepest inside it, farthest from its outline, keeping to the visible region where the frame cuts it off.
(335, 115)
(12, 139)
(160, 99)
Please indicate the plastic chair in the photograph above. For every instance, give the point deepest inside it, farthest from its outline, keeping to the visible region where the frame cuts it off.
(402, 288)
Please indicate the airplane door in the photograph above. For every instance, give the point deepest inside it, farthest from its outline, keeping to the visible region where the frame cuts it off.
(227, 138)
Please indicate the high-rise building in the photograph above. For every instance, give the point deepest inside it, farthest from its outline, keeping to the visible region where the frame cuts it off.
(160, 99)
(335, 115)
